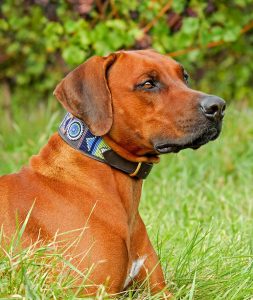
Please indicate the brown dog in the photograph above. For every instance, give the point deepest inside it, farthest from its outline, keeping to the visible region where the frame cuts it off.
(139, 102)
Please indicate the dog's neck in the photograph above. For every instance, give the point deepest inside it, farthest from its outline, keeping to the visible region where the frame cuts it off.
(77, 134)
(65, 166)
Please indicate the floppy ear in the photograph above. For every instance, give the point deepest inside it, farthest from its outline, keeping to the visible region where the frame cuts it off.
(84, 93)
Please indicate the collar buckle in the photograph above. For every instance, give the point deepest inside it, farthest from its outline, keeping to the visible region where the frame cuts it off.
(136, 170)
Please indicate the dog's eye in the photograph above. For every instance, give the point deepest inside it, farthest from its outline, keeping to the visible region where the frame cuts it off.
(186, 77)
(149, 84)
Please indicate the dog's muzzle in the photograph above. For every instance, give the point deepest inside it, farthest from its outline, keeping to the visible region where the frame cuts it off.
(212, 111)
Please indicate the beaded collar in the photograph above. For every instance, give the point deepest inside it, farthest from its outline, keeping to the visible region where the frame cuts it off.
(77, 134)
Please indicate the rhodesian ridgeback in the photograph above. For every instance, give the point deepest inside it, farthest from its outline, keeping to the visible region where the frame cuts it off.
(123, 111)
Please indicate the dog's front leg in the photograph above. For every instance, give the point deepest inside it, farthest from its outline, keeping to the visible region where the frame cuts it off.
(145, 263)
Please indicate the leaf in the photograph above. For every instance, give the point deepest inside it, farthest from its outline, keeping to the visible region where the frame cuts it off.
(231, 34)
(73, 55)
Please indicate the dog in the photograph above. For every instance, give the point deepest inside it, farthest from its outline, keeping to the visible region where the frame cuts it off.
(123, 111)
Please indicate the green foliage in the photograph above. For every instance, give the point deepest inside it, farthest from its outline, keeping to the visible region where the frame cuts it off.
(39, 43)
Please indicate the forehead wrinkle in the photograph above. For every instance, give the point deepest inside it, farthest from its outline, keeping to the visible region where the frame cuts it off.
(148, 72)
(152, 64)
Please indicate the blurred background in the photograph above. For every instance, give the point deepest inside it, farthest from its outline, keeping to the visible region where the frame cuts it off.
(41, 40)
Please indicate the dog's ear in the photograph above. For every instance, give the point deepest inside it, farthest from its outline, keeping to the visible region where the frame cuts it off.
(84, 92)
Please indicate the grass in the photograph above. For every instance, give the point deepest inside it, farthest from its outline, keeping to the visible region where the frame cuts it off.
(197, 205)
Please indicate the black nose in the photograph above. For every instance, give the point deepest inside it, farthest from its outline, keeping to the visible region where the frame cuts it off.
(213, 107)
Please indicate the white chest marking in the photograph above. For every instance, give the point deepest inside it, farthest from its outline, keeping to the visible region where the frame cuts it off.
(135, 269)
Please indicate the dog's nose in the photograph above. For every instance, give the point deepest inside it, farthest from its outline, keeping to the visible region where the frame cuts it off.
(213, 107)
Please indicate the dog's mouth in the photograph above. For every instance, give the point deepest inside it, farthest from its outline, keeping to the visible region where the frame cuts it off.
(192, 142)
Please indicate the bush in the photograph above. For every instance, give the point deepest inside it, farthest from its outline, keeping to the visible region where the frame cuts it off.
(42, 40)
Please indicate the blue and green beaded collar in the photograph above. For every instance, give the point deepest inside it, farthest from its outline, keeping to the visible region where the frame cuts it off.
(77, 134)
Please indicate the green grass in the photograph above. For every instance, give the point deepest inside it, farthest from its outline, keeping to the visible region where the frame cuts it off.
(197, 205)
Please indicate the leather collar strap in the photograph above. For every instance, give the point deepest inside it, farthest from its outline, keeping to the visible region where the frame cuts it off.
(76, 133)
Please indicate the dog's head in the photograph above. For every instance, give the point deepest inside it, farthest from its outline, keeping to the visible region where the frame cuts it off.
(141, 101)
